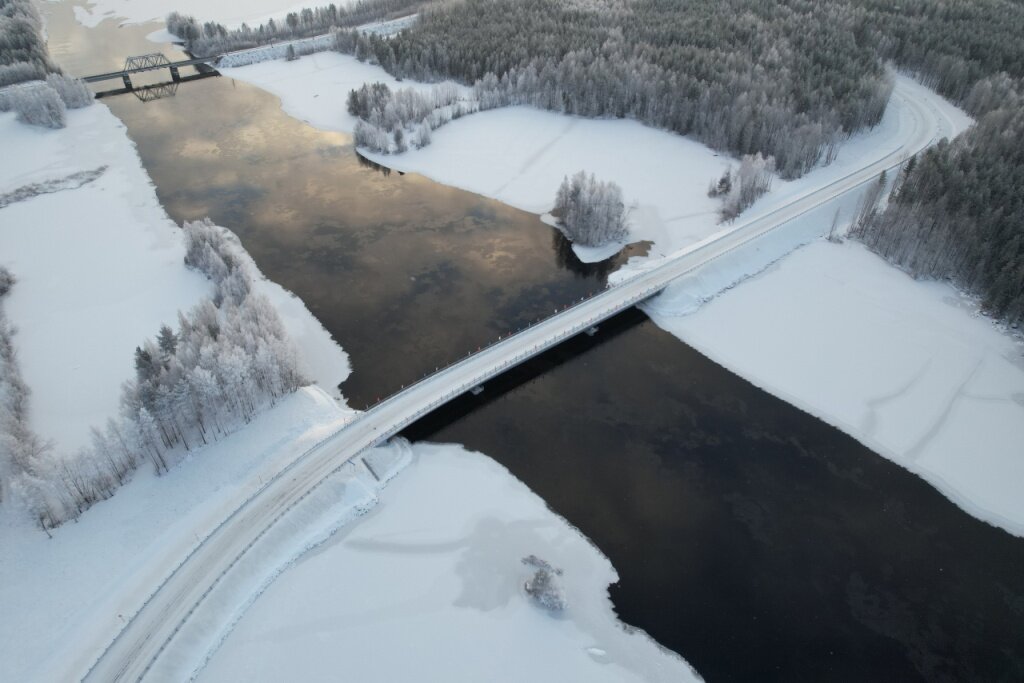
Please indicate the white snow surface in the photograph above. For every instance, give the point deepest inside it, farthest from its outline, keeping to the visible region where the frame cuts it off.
(909, 368)
(66, 598)
(429, 586)
(99, 269)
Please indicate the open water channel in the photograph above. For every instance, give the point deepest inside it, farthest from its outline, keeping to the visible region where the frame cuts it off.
(750, 537)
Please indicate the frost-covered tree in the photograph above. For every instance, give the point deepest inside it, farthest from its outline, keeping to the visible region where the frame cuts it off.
(742, 187)
(36, 104)
(229, 358)
(591, 212)
(72, 91)
(388, 119)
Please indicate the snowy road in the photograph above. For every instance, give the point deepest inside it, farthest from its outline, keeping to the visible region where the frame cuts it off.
(154, 643)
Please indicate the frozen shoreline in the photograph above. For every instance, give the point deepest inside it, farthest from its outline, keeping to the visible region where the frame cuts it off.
(908, 368)
(437, 567)
(101, 264)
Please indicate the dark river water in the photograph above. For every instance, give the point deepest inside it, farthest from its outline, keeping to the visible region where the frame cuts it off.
(750, 537)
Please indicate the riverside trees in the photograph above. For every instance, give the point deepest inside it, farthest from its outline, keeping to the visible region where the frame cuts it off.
(591, 212)
(44, 94)
(228, 359)
(958, 213)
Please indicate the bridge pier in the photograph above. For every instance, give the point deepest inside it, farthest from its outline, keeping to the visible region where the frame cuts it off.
(127, 81)
(174, 74)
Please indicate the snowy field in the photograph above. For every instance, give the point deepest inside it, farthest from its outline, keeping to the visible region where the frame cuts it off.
(908, 368)
(429, 586)
(99, 269)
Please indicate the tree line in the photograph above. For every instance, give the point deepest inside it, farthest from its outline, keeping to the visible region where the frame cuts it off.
(228, 359)
(958, 211)
(210, 38)
(391, 120)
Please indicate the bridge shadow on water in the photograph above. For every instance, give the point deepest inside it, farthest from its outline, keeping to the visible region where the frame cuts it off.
(759, 542)
(521, 375)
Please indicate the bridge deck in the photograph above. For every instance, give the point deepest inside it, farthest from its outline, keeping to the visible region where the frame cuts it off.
(153, 67)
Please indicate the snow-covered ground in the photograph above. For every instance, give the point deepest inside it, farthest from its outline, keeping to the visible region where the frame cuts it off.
(66, 598)
(908, 368)
(429, 586)
(100, 268)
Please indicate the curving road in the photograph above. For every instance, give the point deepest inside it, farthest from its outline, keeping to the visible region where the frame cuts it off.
(165, 615)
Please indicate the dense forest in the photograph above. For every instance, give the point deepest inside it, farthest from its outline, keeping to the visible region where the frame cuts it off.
(958, 213)
(228, 359)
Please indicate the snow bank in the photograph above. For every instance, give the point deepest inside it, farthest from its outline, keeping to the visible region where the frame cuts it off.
(436, 571)
(908, 368)
(100, 268)
(65, 599)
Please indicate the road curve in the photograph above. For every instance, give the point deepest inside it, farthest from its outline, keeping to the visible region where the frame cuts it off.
(132, 654)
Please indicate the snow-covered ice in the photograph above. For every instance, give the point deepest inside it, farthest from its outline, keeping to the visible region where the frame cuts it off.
(99, 269)
(429, 586)
(908, 368)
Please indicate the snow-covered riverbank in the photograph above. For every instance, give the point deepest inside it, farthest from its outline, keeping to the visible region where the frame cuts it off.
(100, 267)
(908, 368)
(435, 571)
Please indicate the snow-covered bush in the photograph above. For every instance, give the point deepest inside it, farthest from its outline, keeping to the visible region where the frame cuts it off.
(591, 212)
(36, 104)
(73, 91)
(543, 585)
(19, 72)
